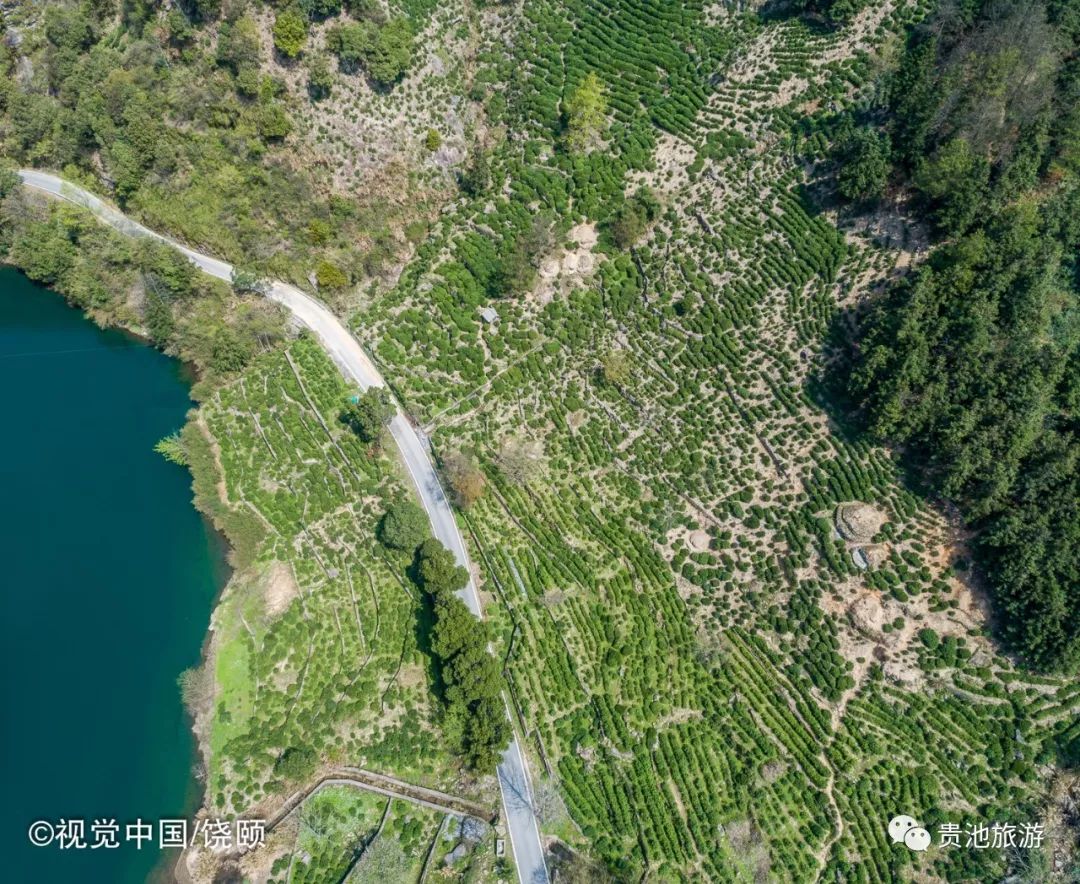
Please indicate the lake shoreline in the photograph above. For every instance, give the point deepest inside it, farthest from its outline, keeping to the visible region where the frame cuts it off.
(222, 563)
(200, 757)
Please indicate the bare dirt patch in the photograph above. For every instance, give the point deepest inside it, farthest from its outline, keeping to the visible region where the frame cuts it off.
(568, 269)
(411, 675)
(1063, 820)
(673, 156)
(279, 588)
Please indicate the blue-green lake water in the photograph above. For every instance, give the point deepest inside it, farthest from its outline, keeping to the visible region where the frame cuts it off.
(108, 579)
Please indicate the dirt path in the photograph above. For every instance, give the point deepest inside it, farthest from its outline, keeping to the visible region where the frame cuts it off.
(382, 785)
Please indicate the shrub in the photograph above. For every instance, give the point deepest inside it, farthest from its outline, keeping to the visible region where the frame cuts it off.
(271, 121)
(372, 411)
(466, 480)
(330, 276)
(296, 763)
(290, 31)
(615, 367)
(383, 51)
(320, 78)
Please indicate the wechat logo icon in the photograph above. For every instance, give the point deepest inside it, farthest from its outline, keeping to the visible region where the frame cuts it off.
(904, 828)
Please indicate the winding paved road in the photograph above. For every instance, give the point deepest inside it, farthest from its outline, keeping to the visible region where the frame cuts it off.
(354, 363)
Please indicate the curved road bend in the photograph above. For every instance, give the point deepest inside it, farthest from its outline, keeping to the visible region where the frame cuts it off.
(354, 363)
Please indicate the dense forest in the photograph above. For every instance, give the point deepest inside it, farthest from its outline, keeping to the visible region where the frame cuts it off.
(972, 363)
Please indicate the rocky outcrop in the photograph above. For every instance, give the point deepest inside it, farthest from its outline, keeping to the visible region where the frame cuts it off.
(868, 615)
(858, 522)
(870, 556)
